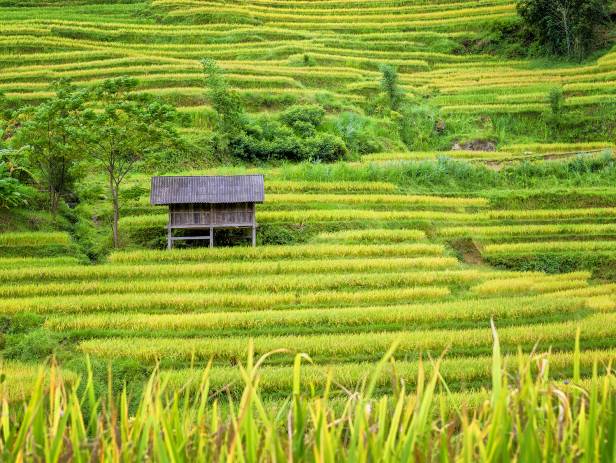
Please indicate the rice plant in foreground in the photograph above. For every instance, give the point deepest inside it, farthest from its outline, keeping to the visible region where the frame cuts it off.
(524, 417)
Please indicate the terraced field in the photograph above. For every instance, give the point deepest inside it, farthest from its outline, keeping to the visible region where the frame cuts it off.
(279, 52)
(372, 262)
(475, 218)
(383, 267)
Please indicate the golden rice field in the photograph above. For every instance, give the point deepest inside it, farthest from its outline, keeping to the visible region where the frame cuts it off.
(426, 271)
(396, 302)
(294, 51)
(374, 264)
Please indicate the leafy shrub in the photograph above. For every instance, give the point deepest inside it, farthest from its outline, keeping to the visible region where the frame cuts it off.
(12, 192)
(358, 133)
(307, 114)
(417, 127)
(556, 98)
(293, 136)
(324, 147)
(33, 345)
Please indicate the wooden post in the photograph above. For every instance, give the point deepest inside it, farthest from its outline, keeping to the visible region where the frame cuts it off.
(254, 225)
(211, 227)
(169, 240)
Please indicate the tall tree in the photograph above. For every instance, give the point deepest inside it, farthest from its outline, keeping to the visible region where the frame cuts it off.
(227, 104)
(125, 131)
(565, 27)
(52, 132)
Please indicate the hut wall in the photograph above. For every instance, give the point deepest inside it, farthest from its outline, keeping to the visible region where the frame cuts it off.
(211, 215)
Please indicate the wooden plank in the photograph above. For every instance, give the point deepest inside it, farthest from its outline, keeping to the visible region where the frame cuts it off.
(207, 227)
(174, 238)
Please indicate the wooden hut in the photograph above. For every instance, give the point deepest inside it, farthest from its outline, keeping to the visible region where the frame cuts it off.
(206, 203)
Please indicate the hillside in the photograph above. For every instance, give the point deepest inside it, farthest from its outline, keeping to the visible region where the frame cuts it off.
(366, 263)
(276, 53)
(474, 222)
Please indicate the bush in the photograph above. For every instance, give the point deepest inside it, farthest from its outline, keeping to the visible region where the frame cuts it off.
(324, 147)
(307, 114)
(417, 127)
(390, 86)
(358, 133)
(33, 345)
(556, 97)
(12, 192)
(293, 136)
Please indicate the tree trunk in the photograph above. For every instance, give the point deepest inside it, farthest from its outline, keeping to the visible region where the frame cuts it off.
(116, 214)
(54, 200)
(564, 21)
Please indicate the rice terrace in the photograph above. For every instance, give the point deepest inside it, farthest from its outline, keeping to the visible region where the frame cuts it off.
(308, 230)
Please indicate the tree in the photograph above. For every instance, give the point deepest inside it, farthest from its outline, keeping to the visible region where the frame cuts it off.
(565, 27)
(227, 104)
(126, 130)
(52, 132)
(389, 85)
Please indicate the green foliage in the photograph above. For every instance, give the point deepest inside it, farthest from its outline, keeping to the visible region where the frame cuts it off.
(12, 192)
(557, 120)
(227, 104)
(449, 175)
(293, 135)
(564, 262)
(130, 130)
(556, 97)
(362, 134)
(568, 28)
(270, 140)
(553, 199)
(506, 37)
(37, 344)
(418, 127)
(53, 133)
(20, 323)
(308, 60)
(391, 87)
(4, 116)
(303, 118)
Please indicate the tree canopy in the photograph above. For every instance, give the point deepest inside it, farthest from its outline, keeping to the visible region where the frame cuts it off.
(565, 27)
(124, 131)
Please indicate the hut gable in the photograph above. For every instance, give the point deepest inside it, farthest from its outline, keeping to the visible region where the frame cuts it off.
(211, 189)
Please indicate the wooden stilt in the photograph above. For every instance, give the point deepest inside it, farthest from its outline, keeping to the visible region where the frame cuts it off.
(169, 240)
(254, 225)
